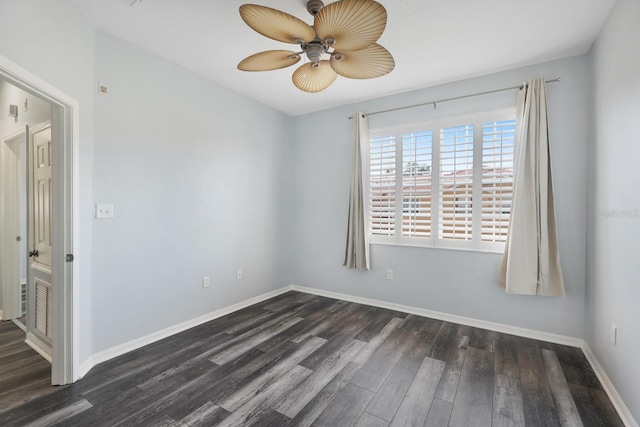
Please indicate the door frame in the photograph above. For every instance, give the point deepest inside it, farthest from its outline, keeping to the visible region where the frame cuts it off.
(65, 364)
(11, 194)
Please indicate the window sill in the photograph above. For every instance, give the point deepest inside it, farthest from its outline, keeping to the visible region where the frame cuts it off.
(448, 248)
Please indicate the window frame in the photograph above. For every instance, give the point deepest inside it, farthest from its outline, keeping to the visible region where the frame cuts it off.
(435, 126)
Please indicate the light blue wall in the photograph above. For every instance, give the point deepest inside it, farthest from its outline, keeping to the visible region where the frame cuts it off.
(50, 39)
(449, 281)
(194, 173)
(198, 176)
(613, 291)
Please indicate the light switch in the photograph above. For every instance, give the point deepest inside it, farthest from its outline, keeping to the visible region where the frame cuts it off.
(104, 211)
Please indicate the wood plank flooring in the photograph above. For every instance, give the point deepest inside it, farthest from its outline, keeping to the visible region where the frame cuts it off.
(24, 374)
(304, 360)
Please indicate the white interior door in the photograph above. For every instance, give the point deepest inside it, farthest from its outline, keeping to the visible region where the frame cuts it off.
(39, 273)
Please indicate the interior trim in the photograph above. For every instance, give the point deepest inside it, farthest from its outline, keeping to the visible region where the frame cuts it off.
(36, 343)
(611, 391)
(66, 232)
(468, 321)
(137, 343)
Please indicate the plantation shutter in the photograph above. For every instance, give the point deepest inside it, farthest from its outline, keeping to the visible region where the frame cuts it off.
(382, 185)
(497, 179)
(416, 184)
(456, 183)
(444, 183)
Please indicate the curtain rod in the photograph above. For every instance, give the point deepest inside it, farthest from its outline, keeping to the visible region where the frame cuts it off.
(449, 99)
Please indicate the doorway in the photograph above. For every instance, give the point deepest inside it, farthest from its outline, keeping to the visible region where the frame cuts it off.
(57, 327)
(13, 283)
(26, 182)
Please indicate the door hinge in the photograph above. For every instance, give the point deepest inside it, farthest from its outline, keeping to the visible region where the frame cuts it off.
(70, 257)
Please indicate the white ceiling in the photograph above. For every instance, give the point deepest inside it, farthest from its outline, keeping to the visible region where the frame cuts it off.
(432, 41)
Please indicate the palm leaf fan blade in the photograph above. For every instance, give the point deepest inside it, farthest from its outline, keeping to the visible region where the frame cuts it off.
(353, 24)
(276, 25)
(370, 62)
(269, 60)
(312, 80)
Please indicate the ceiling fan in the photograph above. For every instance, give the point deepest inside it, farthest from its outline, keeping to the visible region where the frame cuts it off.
(345, 31)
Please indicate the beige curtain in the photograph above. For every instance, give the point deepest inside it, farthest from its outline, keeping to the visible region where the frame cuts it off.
(531, 263)
(357, 250)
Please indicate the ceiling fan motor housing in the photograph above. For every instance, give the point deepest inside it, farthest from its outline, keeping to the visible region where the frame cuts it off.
(314, 52)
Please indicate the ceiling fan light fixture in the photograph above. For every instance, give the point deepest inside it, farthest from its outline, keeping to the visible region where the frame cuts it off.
(314, 52)
(345, 31)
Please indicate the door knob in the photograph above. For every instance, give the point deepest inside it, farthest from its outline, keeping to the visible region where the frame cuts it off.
(33, 253)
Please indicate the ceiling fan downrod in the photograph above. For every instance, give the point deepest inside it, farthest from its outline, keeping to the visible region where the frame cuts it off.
(314, 6)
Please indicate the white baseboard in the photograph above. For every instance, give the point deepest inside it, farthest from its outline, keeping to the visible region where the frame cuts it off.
(617, 401)
(0, 314)
(85, 367)
(477, 323)
(121, 349)
(41, 348)
(19, 325)
(611, 391)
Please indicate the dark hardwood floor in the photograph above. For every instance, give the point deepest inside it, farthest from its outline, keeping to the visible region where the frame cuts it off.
(24, 374)
(300, 360)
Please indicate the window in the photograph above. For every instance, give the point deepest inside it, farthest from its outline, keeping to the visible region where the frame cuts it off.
(445, 183)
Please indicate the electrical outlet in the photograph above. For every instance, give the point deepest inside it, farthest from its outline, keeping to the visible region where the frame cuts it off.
(389, 274)
(103, 89)
(239, 274)
(614, 334)
(205, 282)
